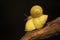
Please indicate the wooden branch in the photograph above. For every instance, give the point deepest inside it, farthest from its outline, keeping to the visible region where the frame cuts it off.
(52, 28)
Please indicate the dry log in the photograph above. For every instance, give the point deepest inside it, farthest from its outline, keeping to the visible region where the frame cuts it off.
(52, 28)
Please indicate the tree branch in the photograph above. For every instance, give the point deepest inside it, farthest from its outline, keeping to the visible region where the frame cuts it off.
(52, 28)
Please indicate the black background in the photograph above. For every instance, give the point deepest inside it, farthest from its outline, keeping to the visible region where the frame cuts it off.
(12, 15)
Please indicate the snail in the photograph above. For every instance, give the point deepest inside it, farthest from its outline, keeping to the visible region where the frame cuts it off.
(37, 20)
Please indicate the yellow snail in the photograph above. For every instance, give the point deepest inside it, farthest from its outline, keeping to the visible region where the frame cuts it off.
(38, 19)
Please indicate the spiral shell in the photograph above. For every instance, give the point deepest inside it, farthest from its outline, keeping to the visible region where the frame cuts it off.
(36, 11)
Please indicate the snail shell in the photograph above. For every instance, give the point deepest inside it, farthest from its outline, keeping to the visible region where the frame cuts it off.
(36, 23)
(36, 11)
(29, 25)
(38, 19)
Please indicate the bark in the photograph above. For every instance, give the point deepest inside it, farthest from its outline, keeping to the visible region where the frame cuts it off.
(52, 28)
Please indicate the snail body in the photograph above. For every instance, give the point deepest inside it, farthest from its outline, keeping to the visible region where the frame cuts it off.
(38, 19)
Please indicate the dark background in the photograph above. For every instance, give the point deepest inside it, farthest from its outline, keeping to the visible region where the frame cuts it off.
(12, 15)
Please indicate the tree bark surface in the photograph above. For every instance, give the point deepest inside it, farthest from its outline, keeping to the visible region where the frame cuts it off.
(52, 28)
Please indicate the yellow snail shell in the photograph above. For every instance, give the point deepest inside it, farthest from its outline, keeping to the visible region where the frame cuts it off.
(38, 19)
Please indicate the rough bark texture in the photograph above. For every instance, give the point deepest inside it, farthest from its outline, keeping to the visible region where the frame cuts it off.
(52, 28)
